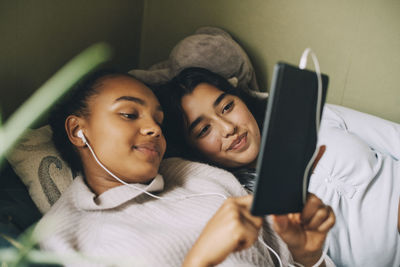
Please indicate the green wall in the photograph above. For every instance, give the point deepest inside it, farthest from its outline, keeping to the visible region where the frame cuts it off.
(38, 37)
(357, 41)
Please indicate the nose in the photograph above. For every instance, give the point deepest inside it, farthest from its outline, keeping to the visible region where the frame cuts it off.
(228, 128)
(151, 128)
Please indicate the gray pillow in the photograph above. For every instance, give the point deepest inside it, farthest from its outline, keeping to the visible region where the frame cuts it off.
(37, 162)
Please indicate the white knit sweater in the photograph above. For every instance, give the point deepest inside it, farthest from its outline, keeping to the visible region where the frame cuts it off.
(123, 226)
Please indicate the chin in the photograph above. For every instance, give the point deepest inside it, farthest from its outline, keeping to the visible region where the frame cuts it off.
(252, 155)
(140, 174)
(245, 161)
(149, 172)
(143, 179)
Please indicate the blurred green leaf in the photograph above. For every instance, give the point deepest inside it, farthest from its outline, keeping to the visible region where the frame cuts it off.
(49, 93)
(11, 240)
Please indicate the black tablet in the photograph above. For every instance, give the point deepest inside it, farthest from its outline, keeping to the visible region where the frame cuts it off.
(288, 140)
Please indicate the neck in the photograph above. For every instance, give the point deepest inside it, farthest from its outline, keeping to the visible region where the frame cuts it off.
(97, 179)
(99, 182)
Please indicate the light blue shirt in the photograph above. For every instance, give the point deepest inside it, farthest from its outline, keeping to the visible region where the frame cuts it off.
(359, 177)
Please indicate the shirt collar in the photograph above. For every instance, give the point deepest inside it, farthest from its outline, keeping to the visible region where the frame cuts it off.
(85, 199)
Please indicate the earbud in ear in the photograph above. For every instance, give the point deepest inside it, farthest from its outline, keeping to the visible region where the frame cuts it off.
(81, 136)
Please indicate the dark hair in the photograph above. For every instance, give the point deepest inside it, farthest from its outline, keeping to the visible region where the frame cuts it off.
(75, 102)
(170, 96)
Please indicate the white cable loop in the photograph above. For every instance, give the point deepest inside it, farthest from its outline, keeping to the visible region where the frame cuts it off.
(302, 65)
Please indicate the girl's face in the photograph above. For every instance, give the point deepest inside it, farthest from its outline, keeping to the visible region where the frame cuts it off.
(221, 127)
(123, 128)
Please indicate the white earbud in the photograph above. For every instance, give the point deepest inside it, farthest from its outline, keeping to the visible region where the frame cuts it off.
(82, 136)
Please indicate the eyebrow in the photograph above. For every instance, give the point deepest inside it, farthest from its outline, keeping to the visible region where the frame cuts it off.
(195, 123)
(136, 100)
(219, 99)
(132, 99)
(199, 119)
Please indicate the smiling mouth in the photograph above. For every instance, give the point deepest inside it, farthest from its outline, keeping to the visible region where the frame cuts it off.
(150, 150)
(239, 142)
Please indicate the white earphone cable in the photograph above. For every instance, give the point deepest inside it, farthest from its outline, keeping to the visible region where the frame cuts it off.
(270, 249)
(140, 189)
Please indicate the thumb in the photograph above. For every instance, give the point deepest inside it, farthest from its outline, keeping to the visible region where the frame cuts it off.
(321, 151)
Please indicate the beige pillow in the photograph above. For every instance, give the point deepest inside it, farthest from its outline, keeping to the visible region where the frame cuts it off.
(40, 167)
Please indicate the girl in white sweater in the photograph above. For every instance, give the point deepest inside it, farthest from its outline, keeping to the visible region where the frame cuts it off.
(109, 128)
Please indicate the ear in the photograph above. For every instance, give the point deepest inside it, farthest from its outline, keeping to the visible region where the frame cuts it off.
(72, 125)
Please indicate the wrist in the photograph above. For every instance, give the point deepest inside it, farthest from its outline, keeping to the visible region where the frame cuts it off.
(194, 262)
(307, 259)
(194, 259)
